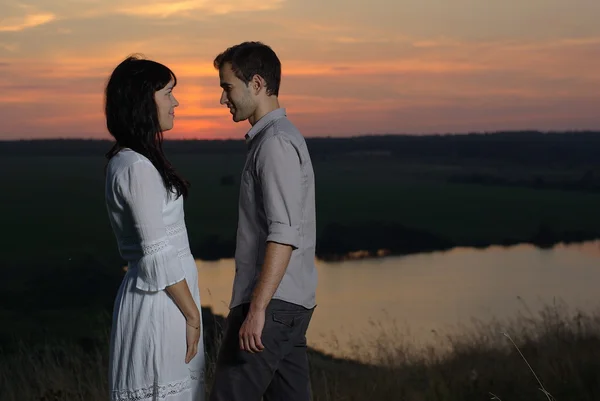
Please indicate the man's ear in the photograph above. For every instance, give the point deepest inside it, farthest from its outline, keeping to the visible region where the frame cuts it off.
(257, 84)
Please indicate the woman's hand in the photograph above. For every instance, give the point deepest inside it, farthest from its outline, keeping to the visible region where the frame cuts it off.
(180, 293)
(192, 336)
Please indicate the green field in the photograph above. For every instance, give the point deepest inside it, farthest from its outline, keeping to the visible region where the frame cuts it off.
(54, 206)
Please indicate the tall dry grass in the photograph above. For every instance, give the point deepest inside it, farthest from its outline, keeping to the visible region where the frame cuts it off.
(553, 354)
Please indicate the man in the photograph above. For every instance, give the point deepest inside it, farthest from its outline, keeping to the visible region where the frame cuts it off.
(263, 353)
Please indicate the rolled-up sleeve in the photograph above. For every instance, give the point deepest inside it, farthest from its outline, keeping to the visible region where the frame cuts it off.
(280, 175)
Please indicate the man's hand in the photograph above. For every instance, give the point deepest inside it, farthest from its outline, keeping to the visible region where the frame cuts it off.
(277, 257)
(251, 331)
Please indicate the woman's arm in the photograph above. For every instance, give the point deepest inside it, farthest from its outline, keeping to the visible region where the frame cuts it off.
(159, 268)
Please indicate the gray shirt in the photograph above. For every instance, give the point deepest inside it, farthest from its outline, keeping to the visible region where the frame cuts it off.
(277, 203)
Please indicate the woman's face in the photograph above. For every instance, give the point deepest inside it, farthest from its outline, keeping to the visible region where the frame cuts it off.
(166, 103)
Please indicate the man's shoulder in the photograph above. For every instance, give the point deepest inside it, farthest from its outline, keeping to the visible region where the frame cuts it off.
(285, 130)
(284, 124)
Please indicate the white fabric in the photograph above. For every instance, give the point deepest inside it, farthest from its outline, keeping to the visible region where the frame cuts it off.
(148, 343)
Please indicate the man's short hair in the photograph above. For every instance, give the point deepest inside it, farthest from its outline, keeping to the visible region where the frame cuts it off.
(253, 58)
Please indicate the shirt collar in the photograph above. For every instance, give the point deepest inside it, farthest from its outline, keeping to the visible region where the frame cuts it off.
(264, 122)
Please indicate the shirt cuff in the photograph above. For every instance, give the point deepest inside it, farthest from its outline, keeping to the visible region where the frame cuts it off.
(284, 234)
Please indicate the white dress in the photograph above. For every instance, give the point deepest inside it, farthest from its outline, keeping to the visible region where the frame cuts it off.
(148, 341)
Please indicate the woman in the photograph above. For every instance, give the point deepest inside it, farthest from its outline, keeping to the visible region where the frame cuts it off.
(156, 351)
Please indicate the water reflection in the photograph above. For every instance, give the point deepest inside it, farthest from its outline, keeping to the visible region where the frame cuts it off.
(425, 292)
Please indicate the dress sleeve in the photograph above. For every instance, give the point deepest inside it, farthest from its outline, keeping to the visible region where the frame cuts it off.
(143, 192)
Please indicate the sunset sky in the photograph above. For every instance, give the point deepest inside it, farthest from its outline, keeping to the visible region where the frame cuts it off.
(350, 67)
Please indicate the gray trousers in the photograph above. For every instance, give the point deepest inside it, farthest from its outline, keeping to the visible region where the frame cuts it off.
(280, 372)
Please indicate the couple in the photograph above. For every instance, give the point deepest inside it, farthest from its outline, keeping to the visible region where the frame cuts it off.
(156, 346)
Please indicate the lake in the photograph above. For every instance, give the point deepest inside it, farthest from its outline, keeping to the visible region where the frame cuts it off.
(422, 293)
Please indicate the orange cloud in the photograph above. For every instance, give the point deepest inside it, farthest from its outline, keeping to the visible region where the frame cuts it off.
(16, 24)
(9, 47)
(16, 99)
(163, 9)
(302, 68)
(63, 120)
(432, 43)
(377, 68)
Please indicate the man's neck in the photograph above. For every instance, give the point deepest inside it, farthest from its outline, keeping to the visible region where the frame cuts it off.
(263, 109)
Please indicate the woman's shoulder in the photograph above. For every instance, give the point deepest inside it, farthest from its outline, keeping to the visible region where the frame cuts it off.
(127, 160)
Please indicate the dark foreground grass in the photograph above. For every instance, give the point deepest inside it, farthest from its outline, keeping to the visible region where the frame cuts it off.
(556, 351)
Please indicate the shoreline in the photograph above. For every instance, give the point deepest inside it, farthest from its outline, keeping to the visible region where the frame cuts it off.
(342, 243)
(382, 253)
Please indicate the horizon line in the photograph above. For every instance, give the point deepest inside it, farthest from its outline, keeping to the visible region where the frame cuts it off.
(496, 132)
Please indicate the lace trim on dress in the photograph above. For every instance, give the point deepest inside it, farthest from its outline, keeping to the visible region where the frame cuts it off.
(175, 229)
(159, 267)
(182, 253)
(151, 249)
(152, 392)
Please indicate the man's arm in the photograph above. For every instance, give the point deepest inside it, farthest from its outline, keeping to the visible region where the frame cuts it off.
(277, 257)
(278, 168)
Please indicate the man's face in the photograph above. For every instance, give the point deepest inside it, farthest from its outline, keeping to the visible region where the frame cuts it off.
(236, 94)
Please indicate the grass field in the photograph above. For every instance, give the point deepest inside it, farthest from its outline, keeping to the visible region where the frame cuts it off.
(55, 205)
(556, 350)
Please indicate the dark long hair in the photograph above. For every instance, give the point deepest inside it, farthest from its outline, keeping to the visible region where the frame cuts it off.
(132, 116)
